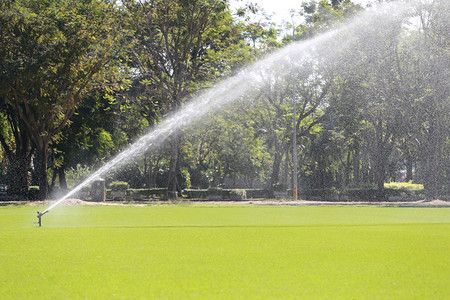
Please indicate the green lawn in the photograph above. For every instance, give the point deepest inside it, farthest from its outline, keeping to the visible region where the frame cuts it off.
(225, 252)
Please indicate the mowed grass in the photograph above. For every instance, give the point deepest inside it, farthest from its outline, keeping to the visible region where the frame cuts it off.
(225, 252)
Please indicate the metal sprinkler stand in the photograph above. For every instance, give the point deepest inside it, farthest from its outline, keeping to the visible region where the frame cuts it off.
(39, 216)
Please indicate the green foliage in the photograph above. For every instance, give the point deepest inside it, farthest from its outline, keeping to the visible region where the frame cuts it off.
(259, 31)
(173, 41)
(368, 192)
(323, 194)
(363, 194)
(53, 54)
(119, 186)
(362, 185)
(77, 174)
(196, 193)
(320, 16)
(238, 194)
(403, 186)
(131, 172)
(33, 193)
(147, 193)
(62, 54)
(367, 108)
(216, 194)
(226, 146)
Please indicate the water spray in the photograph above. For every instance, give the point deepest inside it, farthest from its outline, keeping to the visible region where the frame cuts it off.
(72, 192)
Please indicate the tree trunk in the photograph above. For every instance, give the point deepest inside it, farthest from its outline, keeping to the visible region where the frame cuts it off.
(380, 165)
(432, 162)
(42, 171)
(151, 171)
(18, 151)
(409, 168)
(62, 178)
(380, 171)
(53, 180)
(172, 185)
(347, 170)
(18, 174)
(356, 167)
(274, 178)
(179, 175)
(286, 169)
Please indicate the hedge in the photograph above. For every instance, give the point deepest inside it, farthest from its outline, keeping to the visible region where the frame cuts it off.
(146, 193)
(362, 194)
(216, 194)
(119, 186)
(259, 193)
(33, 193)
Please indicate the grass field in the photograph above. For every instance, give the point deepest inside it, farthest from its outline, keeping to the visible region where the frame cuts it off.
(225, 252)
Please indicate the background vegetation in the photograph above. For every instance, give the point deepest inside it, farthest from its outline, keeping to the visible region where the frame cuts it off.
(81, 80)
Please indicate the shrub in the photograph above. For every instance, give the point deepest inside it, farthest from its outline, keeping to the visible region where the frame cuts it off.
(119, 186)
(238, 194)
(216, 193)
(33, 193)
(362, 194)
(198, 194)
(147, 193)
(319, 192)
(403, 186)
(77, 174)
(258, 193)
(362, 185)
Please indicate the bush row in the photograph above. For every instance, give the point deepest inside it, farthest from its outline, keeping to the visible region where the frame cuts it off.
(350, 194)
(147, 193)
(216, 194)
(234, 194)
(135, 194)
(362, 194)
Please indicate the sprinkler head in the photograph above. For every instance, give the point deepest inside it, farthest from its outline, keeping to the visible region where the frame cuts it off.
(39, 216)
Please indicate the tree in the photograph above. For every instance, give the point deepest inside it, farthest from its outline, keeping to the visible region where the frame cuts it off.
(273, 116)
(320, 16)
(396, 84)
(423, 82)
(176, 54)
(257, 28)
(226, 146)
(16, 143)
(53, 53)
(100, 127)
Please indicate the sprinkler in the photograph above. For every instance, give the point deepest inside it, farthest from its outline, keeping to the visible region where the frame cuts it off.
(39, 216)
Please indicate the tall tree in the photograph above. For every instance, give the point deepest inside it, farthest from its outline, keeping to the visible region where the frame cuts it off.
(319, 16)
(423, 82)
(274, 115)
(53, 53)
(176, 53)
(257, 27)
